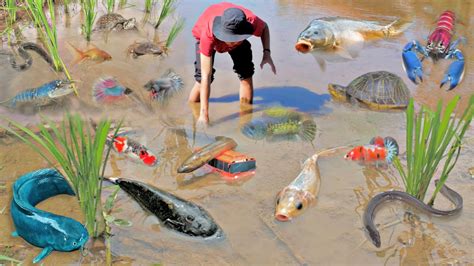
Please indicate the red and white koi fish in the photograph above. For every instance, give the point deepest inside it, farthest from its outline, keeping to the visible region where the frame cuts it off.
(122, 144)
(379, 149)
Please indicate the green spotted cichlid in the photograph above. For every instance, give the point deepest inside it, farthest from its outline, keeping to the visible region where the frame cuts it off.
(280, 123)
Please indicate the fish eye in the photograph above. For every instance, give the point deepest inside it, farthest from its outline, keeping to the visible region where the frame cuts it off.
(74, 243)
(316, 32)
(299, 206)
(189, 218)
(278, 201)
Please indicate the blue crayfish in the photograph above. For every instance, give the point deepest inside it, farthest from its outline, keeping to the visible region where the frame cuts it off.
(43, 95)
(439, 46)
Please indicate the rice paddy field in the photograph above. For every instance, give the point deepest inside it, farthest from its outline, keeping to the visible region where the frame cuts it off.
(329, 232)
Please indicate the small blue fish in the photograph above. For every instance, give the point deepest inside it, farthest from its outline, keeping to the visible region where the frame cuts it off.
(108, 89)
(164, 88)
(43, 95)
(39, 228)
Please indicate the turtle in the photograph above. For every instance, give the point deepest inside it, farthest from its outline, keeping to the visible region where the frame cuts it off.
(376, 90)
(114, 21)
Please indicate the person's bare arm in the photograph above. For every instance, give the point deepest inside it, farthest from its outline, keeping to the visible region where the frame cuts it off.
(267, 57)
(205, 89)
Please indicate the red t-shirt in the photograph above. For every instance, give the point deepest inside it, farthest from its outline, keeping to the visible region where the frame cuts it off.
(202, 30)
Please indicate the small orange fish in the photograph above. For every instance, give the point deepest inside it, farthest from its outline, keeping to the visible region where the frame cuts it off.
(380, 149)
(93, 53)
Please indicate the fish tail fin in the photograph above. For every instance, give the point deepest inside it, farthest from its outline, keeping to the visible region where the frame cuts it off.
(176, 81)
(391, 147)
(308, 130)
(396, 27)
(103, 89)
(78, 54)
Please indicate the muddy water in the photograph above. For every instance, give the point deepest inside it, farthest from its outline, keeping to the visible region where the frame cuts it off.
(331, 231)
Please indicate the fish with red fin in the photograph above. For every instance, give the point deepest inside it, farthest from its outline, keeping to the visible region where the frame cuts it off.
(379, 149)
(108, 89)
(123, 144)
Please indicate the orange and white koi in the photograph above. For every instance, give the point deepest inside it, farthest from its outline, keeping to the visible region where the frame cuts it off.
(122, 144)
(379, 149)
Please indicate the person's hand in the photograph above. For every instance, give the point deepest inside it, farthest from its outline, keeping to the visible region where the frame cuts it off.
(267, 59)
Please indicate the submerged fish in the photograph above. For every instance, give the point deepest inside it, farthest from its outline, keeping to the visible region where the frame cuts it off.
(280, 123)
(108, 89)
(123, 144)
(301, 193)
(175, 213)
(165, 87)
(93, 53)
(40, 228)
(43, 95)
(380, 149)
(206, 154)
(338, 38)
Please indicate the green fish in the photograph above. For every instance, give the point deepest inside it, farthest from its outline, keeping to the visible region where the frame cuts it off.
(281, 123)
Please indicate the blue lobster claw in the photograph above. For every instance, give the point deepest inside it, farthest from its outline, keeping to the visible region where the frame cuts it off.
(455, 71)
(411, 63)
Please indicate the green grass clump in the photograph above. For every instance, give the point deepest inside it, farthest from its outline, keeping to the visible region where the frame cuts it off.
(430, 138)
(175, 30)
(110, 5)
(11, 8)
(47, 32)
(80, 154)
(89, 8)
(167, 8)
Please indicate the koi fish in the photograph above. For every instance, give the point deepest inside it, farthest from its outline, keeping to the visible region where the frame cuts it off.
(303, 191)
(94, 54)
(123, 144)
(108, 89)
(379, 149)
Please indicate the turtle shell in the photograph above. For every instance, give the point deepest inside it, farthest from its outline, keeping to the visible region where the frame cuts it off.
(380, 89)
(109, 21)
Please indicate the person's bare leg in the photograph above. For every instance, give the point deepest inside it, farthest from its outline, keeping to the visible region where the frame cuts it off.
(194, 95)
(246, 91)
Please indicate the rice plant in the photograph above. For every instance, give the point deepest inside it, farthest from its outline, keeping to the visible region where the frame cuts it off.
(430, 138)
(11, 8)
(89, 8)
(110, 5)
(47, 31)
(167, 8)
(149, 5)
(175, 30)
(80, 154)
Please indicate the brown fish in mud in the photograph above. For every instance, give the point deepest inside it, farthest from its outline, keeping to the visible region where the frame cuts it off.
(302, 191)
(93, 53)
(341, 39)
(206, 154)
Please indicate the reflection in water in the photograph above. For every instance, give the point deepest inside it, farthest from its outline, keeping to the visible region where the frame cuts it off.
(377, 181)
(298, 98)
(424, 244)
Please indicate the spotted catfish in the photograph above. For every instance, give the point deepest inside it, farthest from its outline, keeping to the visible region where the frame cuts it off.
(42, 95)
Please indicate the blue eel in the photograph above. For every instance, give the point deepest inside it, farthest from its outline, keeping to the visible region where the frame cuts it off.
(39, 228)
